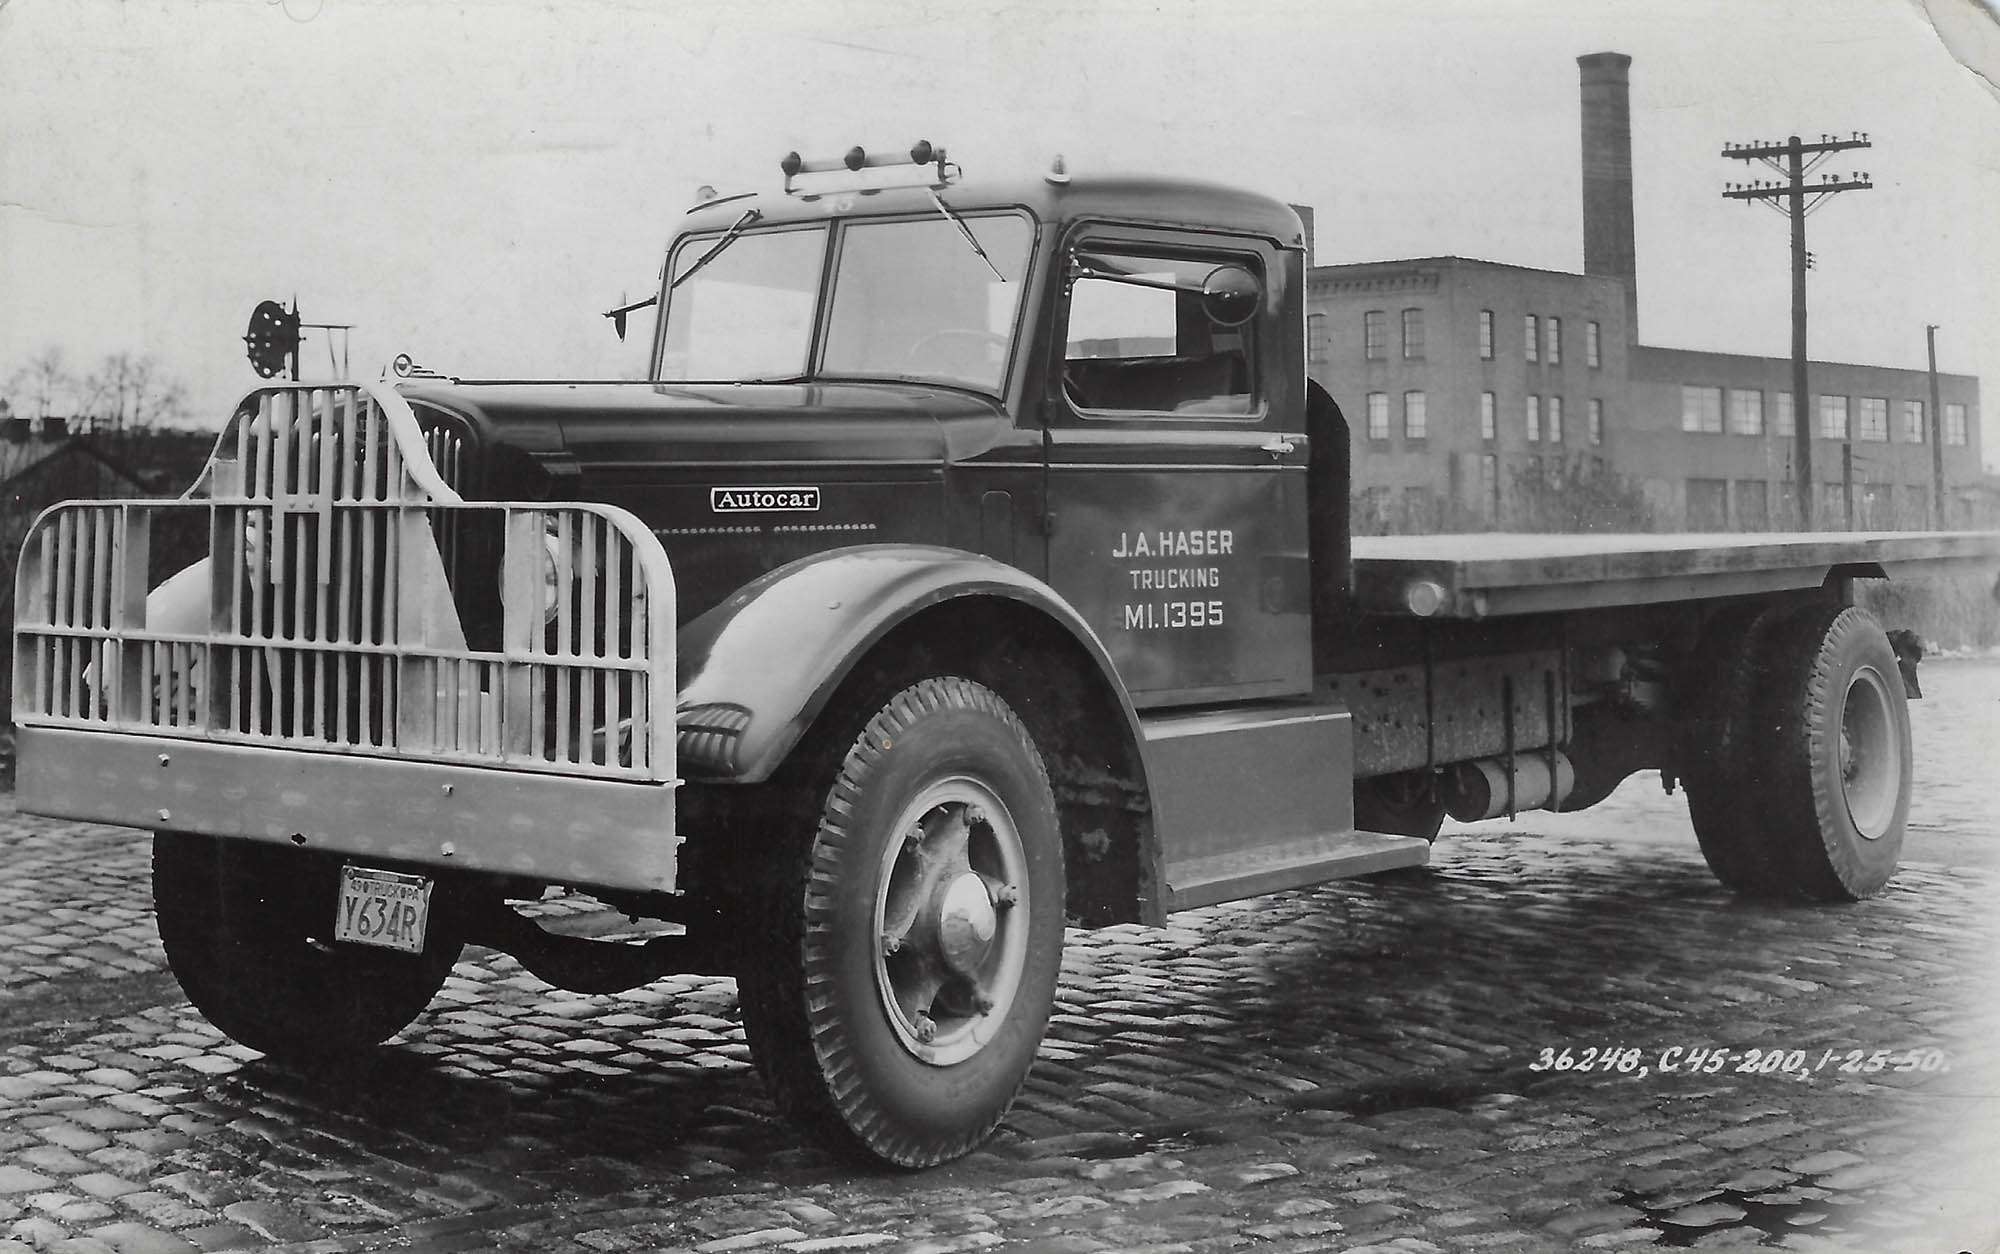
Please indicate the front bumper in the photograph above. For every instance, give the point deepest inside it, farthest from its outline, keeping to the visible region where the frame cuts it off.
(590, 833)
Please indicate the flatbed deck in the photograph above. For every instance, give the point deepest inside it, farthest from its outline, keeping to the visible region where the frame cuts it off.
(1497, 574)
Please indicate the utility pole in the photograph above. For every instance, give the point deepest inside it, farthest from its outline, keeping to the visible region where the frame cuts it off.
(1937, 429)
(1798, 198)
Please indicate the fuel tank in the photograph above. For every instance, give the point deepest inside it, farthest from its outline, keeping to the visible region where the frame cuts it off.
(738, 479)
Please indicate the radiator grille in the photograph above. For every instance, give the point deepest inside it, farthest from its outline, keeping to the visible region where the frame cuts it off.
(351, 602)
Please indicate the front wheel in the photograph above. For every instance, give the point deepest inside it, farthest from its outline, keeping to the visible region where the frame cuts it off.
(905, 962)
(244, 926)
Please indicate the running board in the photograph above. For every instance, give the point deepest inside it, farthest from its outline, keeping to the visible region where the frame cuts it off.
(1253, 872)
(1254, 799)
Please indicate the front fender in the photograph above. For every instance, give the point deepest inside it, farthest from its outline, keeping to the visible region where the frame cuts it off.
(758, 668)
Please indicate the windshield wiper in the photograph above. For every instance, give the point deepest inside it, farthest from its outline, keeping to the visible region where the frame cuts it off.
(966, 231)
(728, 238)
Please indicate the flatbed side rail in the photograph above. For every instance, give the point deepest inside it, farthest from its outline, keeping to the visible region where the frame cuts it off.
(1499, 574)
(350, 603)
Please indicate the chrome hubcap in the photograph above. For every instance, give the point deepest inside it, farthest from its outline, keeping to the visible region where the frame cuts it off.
(950, 914)
(966, 921)
(1870, 767)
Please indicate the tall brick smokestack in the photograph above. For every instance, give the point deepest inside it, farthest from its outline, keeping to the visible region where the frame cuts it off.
(1607, 175)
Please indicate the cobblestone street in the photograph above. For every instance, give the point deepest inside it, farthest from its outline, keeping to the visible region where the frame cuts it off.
(1562, 1035)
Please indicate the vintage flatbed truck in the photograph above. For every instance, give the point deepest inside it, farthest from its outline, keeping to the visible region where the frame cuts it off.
(973, 562)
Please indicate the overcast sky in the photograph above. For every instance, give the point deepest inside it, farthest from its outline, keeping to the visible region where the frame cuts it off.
(471, 182)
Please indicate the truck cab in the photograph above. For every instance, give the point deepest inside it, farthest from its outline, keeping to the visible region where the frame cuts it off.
(1094, 380)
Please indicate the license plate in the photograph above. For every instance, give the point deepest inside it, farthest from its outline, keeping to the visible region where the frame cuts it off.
(384, 908)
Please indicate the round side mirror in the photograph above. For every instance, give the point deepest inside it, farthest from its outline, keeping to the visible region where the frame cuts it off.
(1230, 295)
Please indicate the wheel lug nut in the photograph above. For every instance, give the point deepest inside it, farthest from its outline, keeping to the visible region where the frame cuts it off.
(1006, 895)
(926, 1029)
(975, 816)
(891, 944)
(982, 1003)
(915, 835)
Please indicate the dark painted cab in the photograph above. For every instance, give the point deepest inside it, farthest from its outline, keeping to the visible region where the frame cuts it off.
(1092, 380)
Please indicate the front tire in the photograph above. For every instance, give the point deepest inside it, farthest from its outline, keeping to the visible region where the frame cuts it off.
(905, 962)
(243, 927)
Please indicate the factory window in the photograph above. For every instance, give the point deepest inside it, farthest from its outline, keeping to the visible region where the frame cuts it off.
(1555, 420)
(1874, 424)
(1833, 417)
(1486, 335)
(1783, 422)
(1753, 505)
(1489, 416)
(1419, 511)
(1707, 504)
(1913, 423)
(1746, 411)
(1371, 511)
(1374, 334)
(1533, 339)
(1316, 339)
(1954, 424)
(1378, 415)
(1593, 347)
(1874, 505)
(1416, 418)
(1701, 408)
(1554, 355)
(1596, 420)
(1489, 487)
(1916, 502)
(1534, 419)
(1413, 334)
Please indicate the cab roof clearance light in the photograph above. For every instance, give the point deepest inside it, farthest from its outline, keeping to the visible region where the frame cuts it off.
(925, 162)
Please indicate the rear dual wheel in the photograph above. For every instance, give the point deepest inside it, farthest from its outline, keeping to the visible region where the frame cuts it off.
(1799, 775)
(904, 962)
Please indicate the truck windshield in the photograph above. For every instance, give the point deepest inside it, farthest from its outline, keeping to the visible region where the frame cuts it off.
(912, 301)
(909, 300)
(748, 313)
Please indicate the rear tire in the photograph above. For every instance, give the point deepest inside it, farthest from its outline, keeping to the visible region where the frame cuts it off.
(904, 958)
(243, 926)
(1834, 732)
(1720, 762)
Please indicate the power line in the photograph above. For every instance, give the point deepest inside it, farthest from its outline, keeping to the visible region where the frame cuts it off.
(1793, 196)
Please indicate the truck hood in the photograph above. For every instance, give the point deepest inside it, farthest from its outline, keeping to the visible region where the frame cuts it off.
(640, 426)
(849, 463)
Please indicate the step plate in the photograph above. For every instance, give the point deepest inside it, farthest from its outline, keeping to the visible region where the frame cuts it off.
(1291, 864)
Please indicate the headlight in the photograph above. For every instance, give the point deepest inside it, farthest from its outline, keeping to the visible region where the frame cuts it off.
(557, 571)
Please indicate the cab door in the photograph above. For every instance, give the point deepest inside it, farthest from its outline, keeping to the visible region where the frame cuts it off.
(1176, 483)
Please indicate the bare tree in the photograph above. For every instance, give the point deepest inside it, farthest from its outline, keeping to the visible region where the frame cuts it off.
(42, 384)
(127, 391)
(1577, 494)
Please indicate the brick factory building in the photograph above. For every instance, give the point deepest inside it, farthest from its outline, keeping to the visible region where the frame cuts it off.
(1476, 391)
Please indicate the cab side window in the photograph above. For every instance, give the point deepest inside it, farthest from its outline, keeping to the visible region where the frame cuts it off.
(1142, 337)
